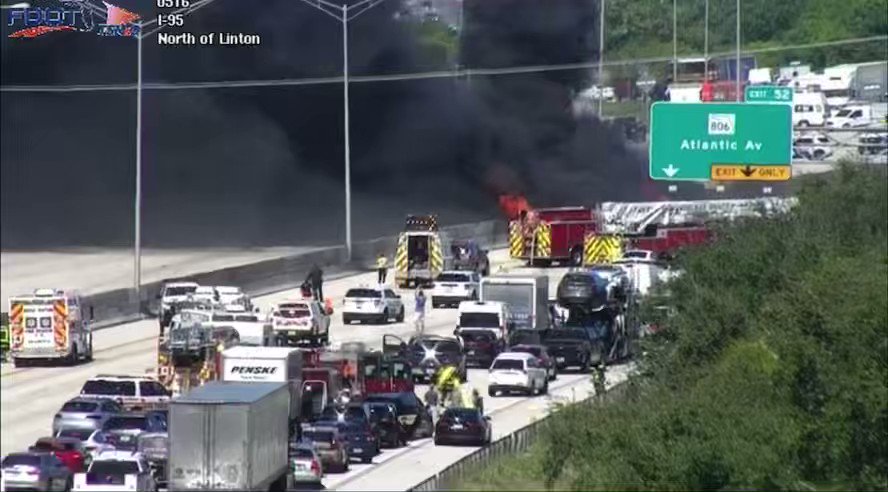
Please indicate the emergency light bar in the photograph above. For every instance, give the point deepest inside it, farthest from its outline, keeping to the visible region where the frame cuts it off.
(421, 223)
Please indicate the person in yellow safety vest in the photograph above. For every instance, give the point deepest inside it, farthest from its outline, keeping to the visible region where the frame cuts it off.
(447, 383)
(381, 268)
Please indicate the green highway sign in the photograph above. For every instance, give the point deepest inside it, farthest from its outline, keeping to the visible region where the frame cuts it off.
(768, 93)
(687, 139)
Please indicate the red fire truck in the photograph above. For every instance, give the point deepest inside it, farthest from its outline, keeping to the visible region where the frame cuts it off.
(545, 235)
(668, 239)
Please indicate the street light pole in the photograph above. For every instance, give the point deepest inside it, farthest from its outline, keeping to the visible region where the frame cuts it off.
(137, 247)
(674, 40)
(342, 13)
(706, 41)
(347, 133)
(737, 83)
(601, 60)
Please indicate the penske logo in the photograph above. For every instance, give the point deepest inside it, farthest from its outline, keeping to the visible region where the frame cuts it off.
(255, 370)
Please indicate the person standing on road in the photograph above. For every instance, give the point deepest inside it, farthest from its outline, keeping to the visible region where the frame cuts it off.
(431, 400)
(315, 278)
(419, 309)
(381, 268)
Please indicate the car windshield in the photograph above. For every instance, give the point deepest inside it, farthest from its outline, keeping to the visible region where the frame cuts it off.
(463, 414)
(82, 434)
(126, 423)
(113, 468)
(318, 435)
(636, 254)
(479, 320)
(359, 293)
(508, 365)
(447, 346)
(179, 291)
(528, 350)
(302, 453)
(21, 460)
(843, 112)
(121, 442)
(567, 335)
(223, 317)
(379, 411)
(476, 337)
(80, 406)
(452, 277)
(293, 311)
(105, 387)
(246, 317)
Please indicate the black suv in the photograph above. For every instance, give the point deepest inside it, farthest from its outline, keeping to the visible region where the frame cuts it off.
(426, 353)
(481, 346)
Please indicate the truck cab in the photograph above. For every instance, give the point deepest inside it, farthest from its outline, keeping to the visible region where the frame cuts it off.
(547, 235)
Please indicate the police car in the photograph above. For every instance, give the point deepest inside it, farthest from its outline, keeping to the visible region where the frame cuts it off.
(378, 303)
(453, 287)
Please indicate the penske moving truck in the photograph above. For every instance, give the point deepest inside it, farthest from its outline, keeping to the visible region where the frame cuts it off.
(49, 324)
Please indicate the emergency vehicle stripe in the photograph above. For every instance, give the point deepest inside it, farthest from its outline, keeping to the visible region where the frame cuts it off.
(17, 325)
(401, 254)
(516, 240)
(543, 240)
(436, 255)
(60, 317)
(601, 249)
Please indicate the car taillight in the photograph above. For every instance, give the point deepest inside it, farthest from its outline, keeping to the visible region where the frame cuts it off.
(315, 467)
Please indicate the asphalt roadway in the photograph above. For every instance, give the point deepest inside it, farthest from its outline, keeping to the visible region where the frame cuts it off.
(29, 397)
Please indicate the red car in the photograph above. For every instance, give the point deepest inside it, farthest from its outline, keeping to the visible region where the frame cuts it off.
(67, 449)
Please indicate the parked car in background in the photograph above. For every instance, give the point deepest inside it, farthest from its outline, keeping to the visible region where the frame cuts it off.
(85, 413)
(68, 450)
(35, 471)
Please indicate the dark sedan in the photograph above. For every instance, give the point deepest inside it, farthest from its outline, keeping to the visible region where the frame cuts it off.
(363, 443)
(384, 418)
(481, 346)
(412, 413)
(463, 426)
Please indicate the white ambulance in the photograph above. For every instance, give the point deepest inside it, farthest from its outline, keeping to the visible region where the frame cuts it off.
(49, 324)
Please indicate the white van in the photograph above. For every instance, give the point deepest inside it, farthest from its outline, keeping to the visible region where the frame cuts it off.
(851, 117)
(808, 109)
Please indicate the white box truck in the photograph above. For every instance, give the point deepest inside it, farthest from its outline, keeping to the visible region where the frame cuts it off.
(527, 297)
(267, 365)
(230, 436)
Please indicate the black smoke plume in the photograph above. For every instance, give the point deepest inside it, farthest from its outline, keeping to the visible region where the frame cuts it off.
(259, 166)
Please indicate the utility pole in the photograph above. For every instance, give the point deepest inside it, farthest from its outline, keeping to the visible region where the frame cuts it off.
(601, 59)
(343, 14)
(706, 41)
(137, 202)
(737, 84)
(674, 40)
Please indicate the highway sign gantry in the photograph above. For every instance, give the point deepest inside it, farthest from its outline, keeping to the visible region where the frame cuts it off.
(687, 139)
(768, 94)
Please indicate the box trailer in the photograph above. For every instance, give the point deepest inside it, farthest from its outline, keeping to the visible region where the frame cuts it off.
(267, 364)
(527, 297)
(230, 436)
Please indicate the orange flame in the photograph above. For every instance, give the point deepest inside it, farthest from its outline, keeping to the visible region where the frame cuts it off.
(513, 205)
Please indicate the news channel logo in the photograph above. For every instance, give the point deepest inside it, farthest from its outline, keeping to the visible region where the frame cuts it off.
(72, 15)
